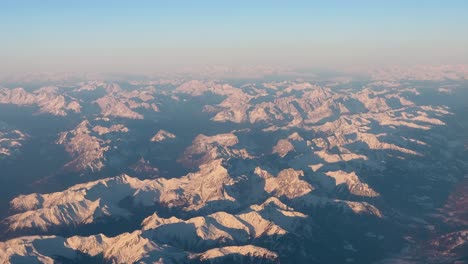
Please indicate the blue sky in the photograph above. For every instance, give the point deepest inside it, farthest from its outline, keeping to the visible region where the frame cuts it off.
(140, 35)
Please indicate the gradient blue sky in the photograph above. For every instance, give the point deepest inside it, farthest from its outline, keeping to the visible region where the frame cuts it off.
(149, 35)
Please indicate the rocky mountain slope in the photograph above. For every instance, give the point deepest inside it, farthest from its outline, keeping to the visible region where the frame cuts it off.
(254, 171)
(10, 140)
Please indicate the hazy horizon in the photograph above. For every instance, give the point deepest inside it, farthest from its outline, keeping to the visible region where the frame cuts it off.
(113, 36)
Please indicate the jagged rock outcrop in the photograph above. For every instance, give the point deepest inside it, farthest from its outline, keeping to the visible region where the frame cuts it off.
(284, 146)
(197, 88)
(87, 151)
(162, 135)
(126, 248)
(101, 130)
(278, 168)
(272, 218)
(236, 253)
(351, 182)
(11, 140)
(143, 168)
(122, 103)
(311, 202)
(206, 148)
(111, 106)
(169, 239)
(88, 144)
(90, 202)
(48, 99)
(287, 183)
(17, 96)
(34, 249)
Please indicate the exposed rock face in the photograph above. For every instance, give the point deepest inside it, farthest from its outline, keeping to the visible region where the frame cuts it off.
(197, 88)
(288, 183)
(143, 168)
(266, 222)
(219, 255)
(74, 106)
(17, 96)
(353, 134)
(10, 140)
(126, 248)
(47, 99)
(86, 147)
(282, 171)
(111, 106)
(87, 151)
(121, 103)
(101, 130)
(50, 102)
(284, 146)
(194, 87)
(234, 108)
(162, 135)
(451, 244)
(352, 183)
(34, 249)
(279, 107)
(372, 101)
(205, 148)
(344, 207)
(90, 202)
(171, 238)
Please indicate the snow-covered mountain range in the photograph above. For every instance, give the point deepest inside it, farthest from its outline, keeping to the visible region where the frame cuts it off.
(219, 171)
